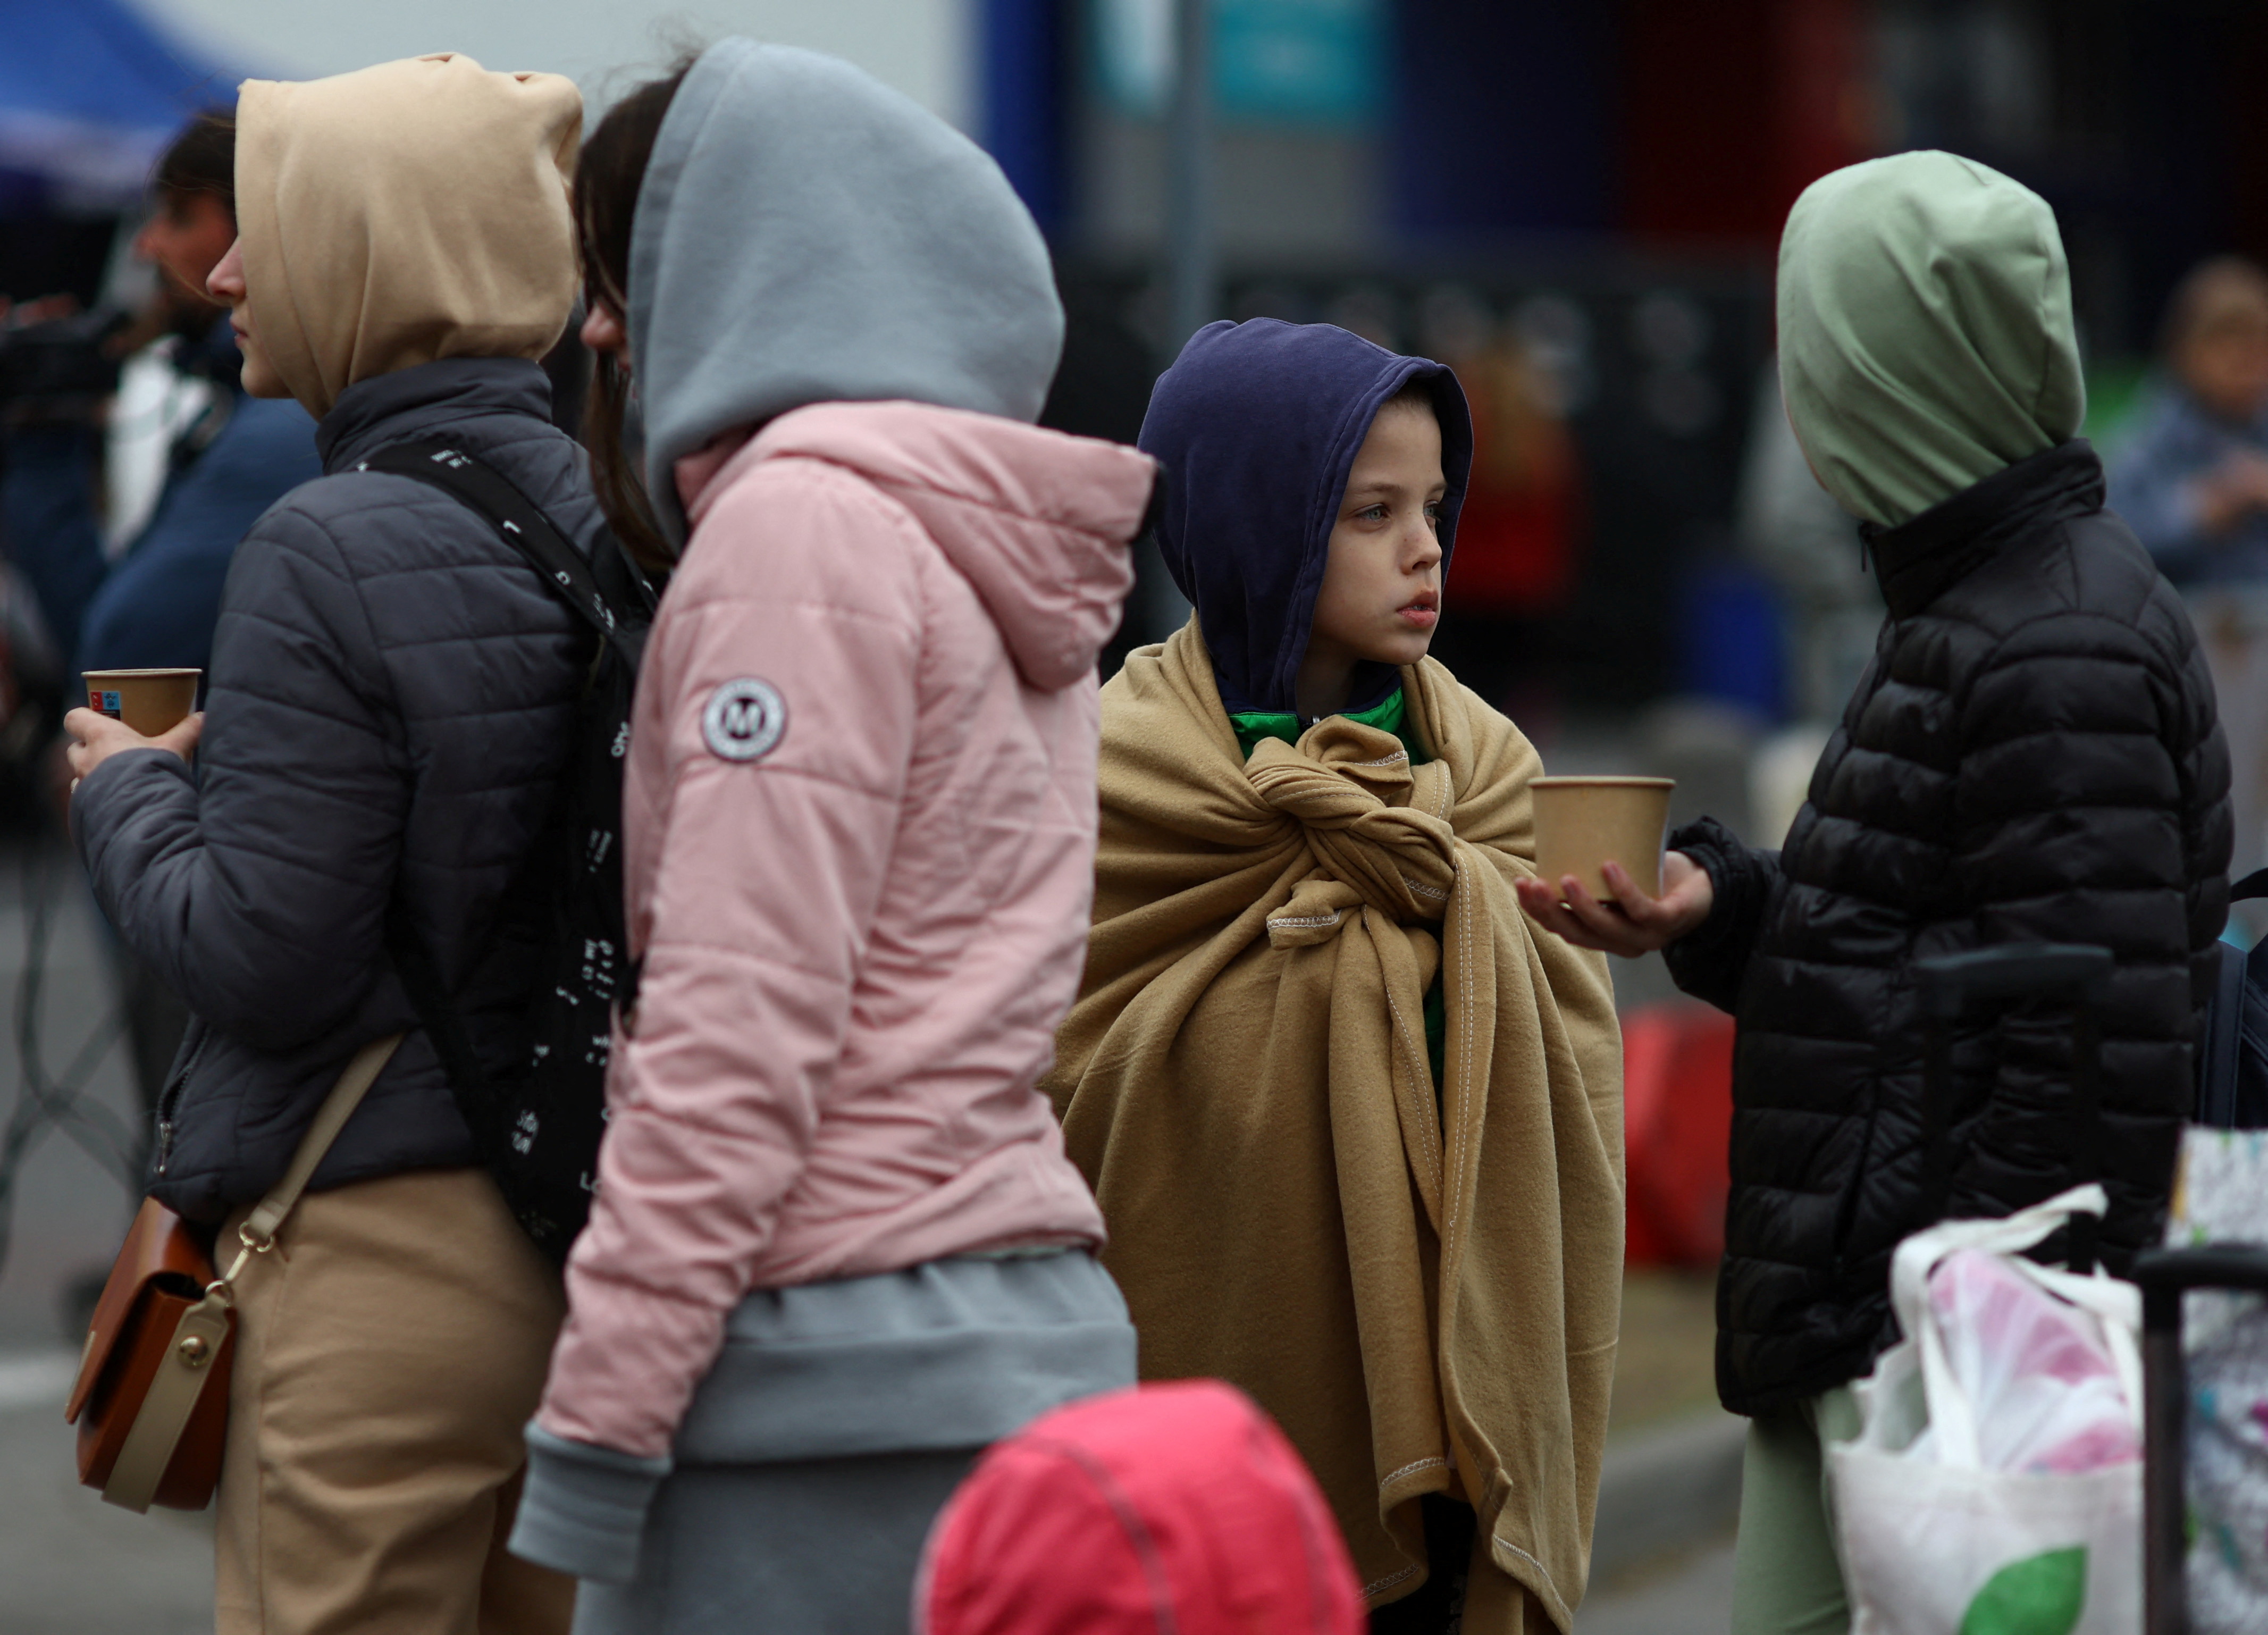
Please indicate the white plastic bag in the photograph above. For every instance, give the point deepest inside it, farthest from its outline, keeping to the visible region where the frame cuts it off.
(2043, 1382)
(1995, 1486)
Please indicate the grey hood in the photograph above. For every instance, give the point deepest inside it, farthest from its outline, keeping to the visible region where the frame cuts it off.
(805, 235)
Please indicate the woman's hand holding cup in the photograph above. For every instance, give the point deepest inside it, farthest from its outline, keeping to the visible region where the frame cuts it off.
(99, 737)
(1633, 924)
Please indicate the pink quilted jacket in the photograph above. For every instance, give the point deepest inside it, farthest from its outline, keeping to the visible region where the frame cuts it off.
(859, 818)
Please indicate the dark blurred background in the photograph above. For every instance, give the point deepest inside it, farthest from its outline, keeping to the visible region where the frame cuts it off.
(1578, 206)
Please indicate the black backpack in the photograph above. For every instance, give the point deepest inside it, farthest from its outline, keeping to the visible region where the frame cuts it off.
(2233, 1056)
(537, 1123)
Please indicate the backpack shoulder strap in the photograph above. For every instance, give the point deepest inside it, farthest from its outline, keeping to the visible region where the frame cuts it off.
(484, 489)
(479, 485)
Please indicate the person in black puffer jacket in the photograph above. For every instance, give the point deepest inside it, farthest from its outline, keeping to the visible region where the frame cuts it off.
(390, 708)
(2033, 756)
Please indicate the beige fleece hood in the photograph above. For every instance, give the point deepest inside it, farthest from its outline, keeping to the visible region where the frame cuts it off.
(403, 213)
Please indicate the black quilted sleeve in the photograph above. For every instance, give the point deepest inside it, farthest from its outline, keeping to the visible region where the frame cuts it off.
(1711, 962)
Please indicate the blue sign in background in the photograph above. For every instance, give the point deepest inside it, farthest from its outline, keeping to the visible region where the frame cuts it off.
(1287, 62)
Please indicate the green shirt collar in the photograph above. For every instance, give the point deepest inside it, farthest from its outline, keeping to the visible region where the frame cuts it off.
(1252, 725)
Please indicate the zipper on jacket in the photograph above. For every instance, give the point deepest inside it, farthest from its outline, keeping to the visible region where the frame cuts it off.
(170, 1101)
(1846, 1213)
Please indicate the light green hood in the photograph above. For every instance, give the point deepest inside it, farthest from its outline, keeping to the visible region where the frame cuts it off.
(1925, 338)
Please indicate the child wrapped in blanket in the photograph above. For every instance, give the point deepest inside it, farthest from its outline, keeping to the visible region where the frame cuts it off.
(1355, 1123)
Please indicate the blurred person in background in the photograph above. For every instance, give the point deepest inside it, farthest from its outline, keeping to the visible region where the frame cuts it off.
(1793, 528)
(2192, 483)
(835, 1249)
(230, 456)
(1794, 531)
(2032, 756)
(157, 604)
(391, 702)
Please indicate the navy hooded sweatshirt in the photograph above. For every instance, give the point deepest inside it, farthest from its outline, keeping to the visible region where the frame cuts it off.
(1256, 425)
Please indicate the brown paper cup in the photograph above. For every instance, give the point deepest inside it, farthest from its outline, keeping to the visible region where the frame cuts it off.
(1582, 823)
(148, 701)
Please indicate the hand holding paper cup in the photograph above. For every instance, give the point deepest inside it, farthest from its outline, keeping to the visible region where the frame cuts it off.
(1583, 823)
(149, 700)
(146, 704)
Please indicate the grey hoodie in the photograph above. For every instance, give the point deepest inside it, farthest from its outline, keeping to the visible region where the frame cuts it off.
(874, 252)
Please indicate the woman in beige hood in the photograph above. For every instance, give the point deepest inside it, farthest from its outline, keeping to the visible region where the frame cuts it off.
(390, 705)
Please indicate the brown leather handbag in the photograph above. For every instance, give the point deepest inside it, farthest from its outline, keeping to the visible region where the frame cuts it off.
(156, 1362)
(151, 1401)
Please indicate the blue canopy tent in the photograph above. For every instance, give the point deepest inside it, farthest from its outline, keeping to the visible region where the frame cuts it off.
(90, 91)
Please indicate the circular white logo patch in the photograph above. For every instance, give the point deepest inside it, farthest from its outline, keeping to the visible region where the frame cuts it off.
(745, 719)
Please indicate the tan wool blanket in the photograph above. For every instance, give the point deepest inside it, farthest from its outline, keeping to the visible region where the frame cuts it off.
(1426, 1302)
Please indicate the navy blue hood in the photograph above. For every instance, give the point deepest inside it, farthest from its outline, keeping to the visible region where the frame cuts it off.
(1256, 425)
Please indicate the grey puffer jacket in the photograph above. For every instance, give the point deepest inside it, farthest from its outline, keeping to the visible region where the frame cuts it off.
(388, 711)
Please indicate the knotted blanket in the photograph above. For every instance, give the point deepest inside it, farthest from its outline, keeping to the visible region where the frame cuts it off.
(1426, 1300)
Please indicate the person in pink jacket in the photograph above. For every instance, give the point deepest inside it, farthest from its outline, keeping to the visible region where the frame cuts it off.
(836, 1248)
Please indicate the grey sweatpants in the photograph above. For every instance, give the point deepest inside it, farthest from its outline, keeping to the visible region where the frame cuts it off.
(804, 1547)
(832, 1426)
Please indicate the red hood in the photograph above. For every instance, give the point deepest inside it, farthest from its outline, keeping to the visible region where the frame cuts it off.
(1174, 1509)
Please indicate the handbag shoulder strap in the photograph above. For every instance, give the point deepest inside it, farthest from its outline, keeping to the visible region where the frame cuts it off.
(258, 1232)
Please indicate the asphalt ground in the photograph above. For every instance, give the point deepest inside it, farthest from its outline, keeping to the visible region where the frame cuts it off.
(63, 1217)
(71, 1564)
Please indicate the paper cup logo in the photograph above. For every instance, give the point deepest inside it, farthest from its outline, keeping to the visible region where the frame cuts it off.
(149, 700)
(745, 719)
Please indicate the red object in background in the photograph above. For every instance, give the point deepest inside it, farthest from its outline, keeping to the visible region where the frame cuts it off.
(1523, 514)
(1677, 1124)
(1732, 109)
(1515, 551)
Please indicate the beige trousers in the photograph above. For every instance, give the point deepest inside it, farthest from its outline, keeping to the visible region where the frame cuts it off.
(388, 1353)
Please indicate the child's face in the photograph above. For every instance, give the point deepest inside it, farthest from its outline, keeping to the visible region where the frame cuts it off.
(1381, 593)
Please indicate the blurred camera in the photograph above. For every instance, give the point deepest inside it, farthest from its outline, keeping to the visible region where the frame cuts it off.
(60, 366)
